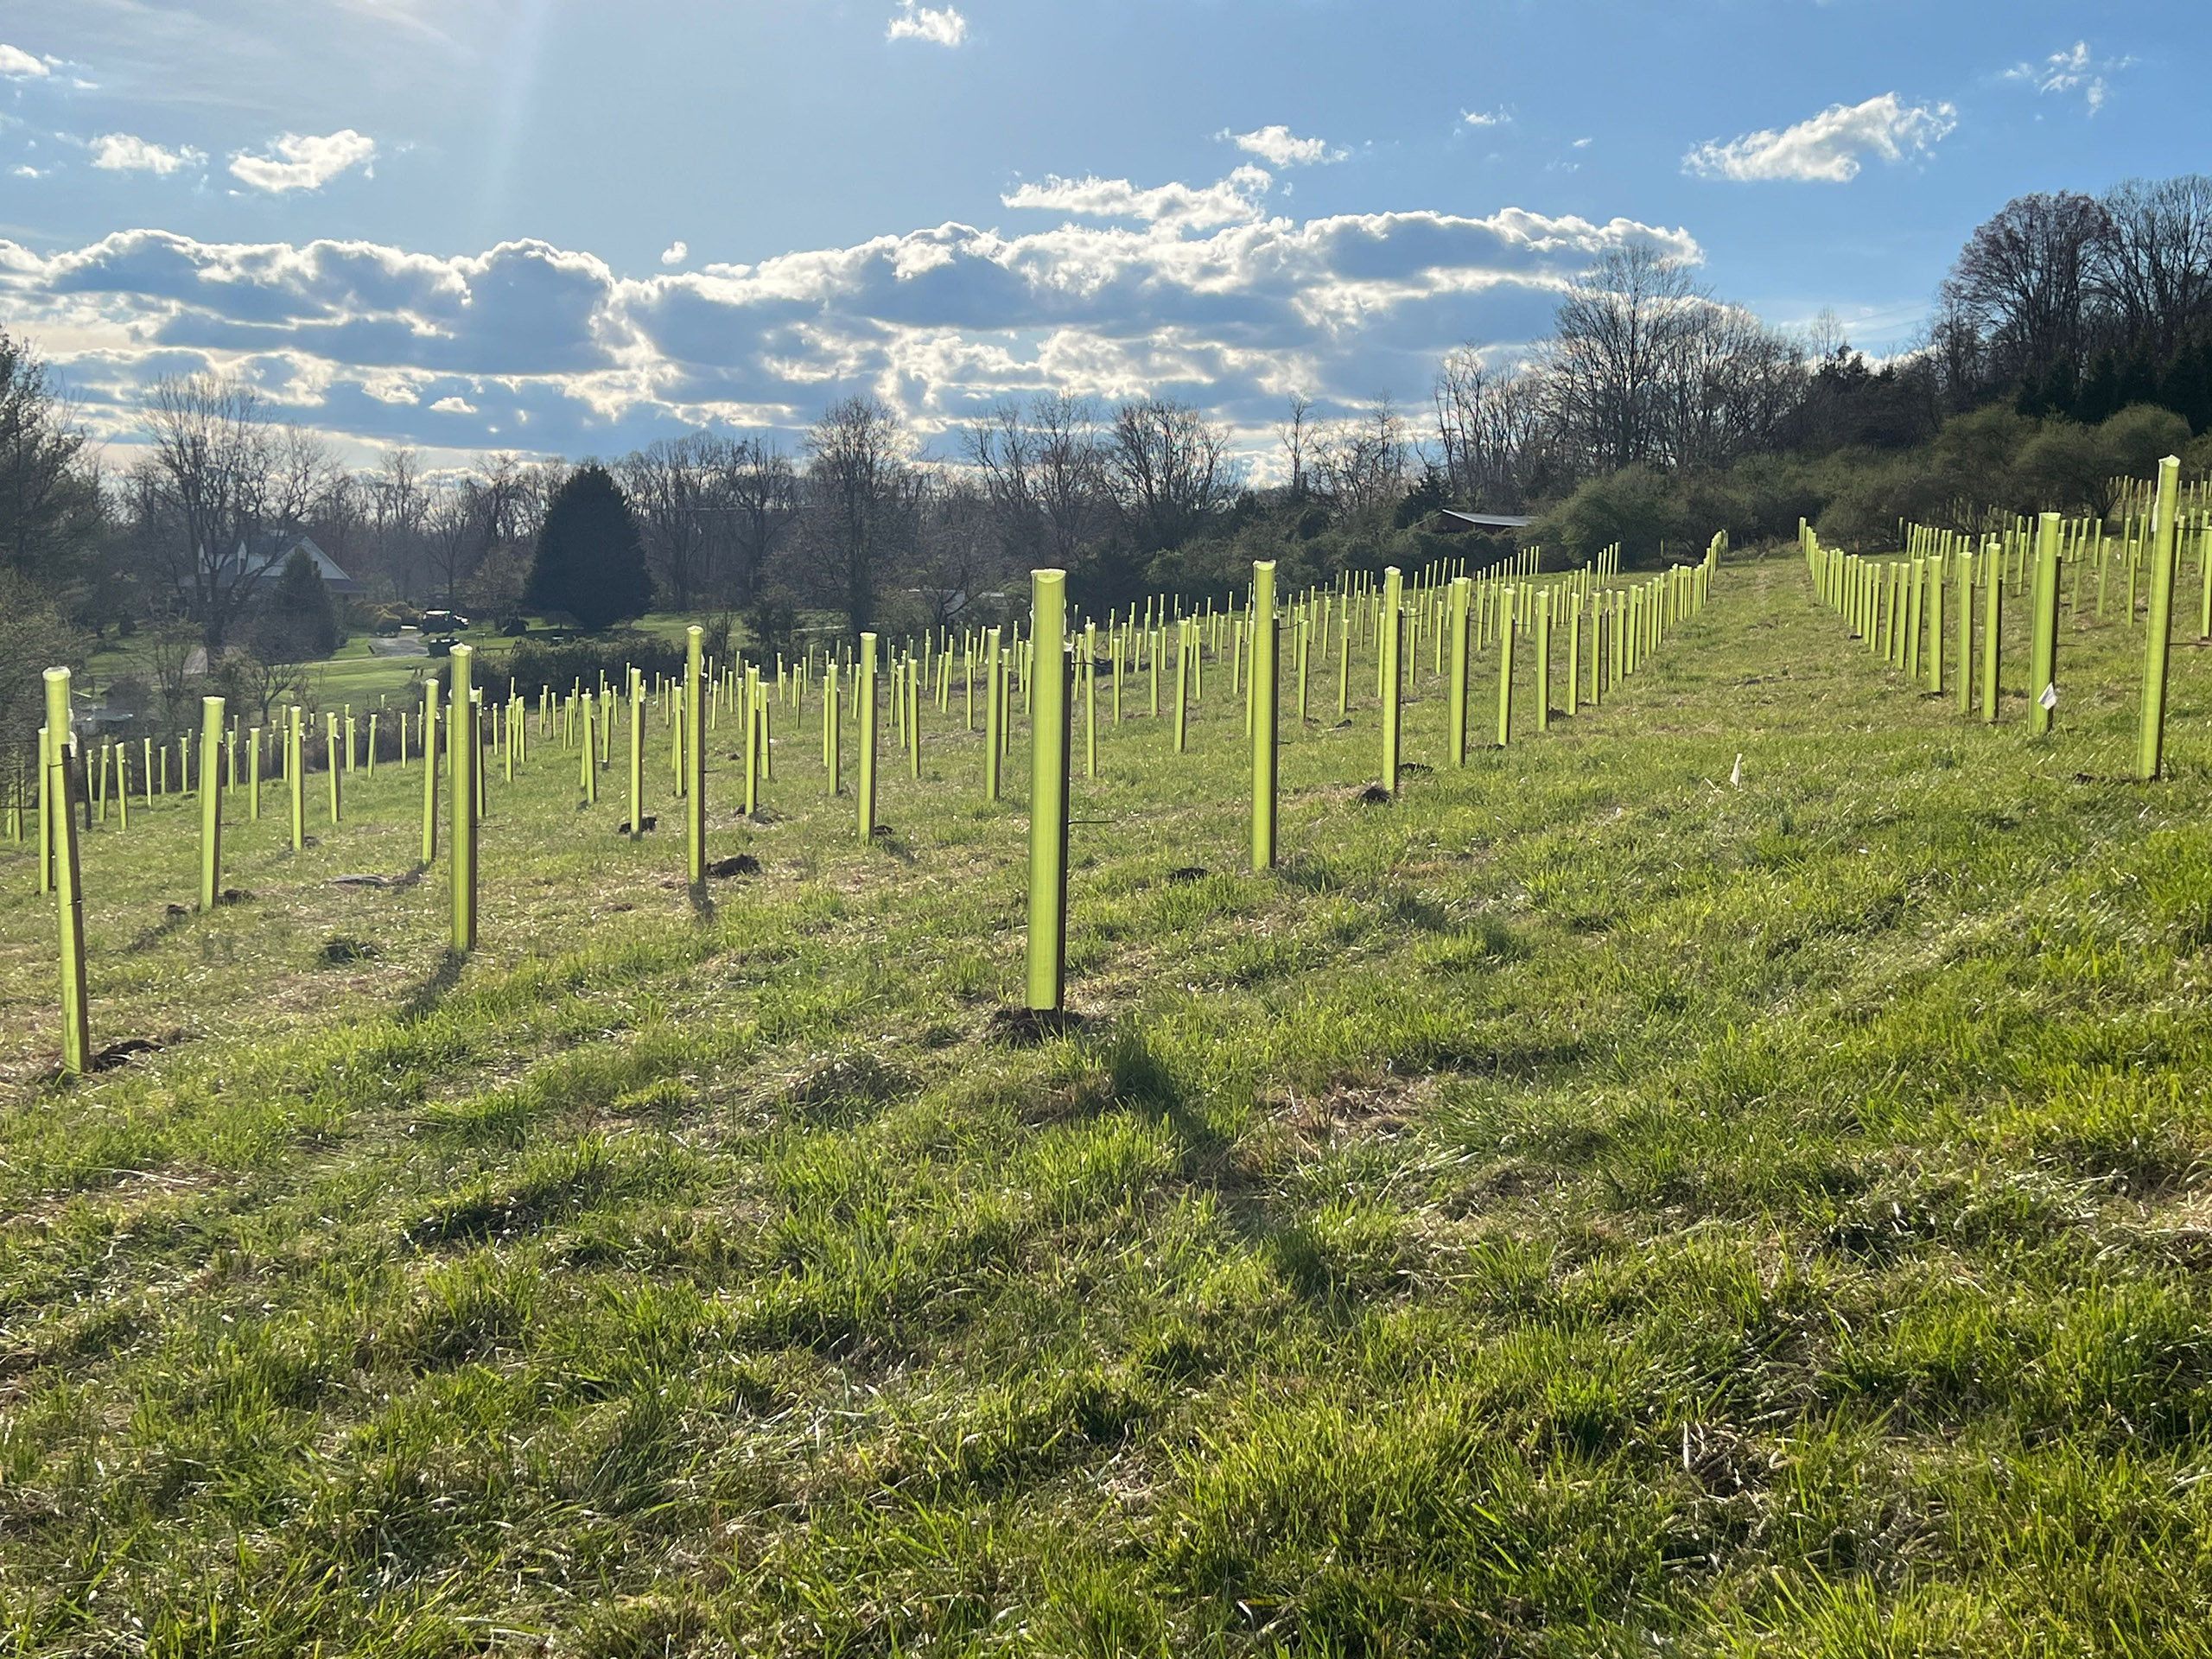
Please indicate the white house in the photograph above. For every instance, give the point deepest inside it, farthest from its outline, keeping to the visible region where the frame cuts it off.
(260, 559)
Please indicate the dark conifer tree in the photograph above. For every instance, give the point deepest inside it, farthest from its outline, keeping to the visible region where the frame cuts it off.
(591, 561)
(300, 624)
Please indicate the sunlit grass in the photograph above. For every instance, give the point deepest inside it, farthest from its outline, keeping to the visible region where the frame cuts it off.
(1583, 1207)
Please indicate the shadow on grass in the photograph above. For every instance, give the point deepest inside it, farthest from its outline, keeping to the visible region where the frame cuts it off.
(175, 918)
(884, 839)
(1309, 873)
(424, 998)
(702, 902)
(1141, 1078)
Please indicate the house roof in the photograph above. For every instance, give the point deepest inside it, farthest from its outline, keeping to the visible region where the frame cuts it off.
(264, 553)
(1487, 520)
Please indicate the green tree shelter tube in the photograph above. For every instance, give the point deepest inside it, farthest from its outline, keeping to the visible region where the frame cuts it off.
(637, 754)
(60, 820)
(295, 782)
(995, 708)
(1048, 791)
(461, 762)
(211, 801)
(430, 775)
(2042, 647)
(864, 691)
(2150, 741)
(1966, 631)
(695, 755)
(1267, 702)
(1389, 634)
(1462, 593)
(1992, 619)
(1507, 628)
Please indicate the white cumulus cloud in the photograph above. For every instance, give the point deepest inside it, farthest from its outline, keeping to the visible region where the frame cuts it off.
(375, 345)
(1280, 147)
(20, 65)
(2077, 69)
(1485, 118)
(1232, 200)
(939, 26)
(119, 152)
(676, 253)
(303, 162)
(1827, 149)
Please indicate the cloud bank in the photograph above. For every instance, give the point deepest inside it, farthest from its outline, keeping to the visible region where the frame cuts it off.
(541, 348)
(1827, 149)
(19, 65)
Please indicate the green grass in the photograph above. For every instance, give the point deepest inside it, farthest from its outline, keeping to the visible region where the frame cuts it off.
(1583, 1208)
(354, 676)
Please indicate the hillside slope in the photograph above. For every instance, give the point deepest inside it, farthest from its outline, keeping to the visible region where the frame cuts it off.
(1587, 1206)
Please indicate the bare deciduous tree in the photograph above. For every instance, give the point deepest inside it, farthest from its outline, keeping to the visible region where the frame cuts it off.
(671, 484)
(2153, 268)
(1727, 385)
(1295, 432)
(757, 483)
(1168, 470)
(1492, 431)
(1617, 326)
(216, 477)
(452, 531)
(1361, 462)
(2021, 281)
(1040, 477)
(1001, 448)
(861, 495)
(397, 501)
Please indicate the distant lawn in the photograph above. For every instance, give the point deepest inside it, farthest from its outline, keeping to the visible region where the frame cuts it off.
(354, 676)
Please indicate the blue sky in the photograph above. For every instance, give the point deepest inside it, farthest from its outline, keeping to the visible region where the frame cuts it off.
(559, 226)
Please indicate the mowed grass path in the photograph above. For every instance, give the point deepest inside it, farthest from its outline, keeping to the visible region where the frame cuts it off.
(1584, 1208)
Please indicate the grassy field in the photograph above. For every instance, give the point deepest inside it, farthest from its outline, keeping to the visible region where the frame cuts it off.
(354, 676)
(1584, 1207)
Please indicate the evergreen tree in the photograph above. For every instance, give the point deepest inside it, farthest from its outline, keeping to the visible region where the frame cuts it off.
(301, 623)
(591, 561)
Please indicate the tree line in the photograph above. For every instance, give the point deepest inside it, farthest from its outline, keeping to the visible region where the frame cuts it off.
(2072, 335)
